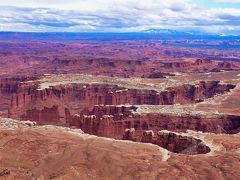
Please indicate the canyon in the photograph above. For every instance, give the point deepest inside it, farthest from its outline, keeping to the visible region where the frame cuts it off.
(88, 107)
(121, 109)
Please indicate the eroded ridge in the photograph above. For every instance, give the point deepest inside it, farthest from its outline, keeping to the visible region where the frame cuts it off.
(115, 108)
(121, 109)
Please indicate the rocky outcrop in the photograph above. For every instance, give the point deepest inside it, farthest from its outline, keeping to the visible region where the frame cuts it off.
(97, 108)
(9, 87)
(197, 65)
(129, 134)
(29, 101)
(46, 115)
(112, 121)
(181, 144)
(148, 136)
(169, 140)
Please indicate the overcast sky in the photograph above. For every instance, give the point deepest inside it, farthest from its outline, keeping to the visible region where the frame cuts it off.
(215, 16)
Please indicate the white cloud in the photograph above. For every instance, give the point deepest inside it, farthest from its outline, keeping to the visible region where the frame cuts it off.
(114, 15)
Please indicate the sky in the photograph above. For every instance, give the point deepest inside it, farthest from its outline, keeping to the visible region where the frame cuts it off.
(212, 16)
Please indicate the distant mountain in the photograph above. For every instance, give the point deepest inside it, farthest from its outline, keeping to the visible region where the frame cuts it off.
(170, 33)
(151, 34)
(175, 32)
(167, 31)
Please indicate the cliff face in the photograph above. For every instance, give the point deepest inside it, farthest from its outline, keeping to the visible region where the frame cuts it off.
(181, 144)
(99, 109)
(173, 142)
(77, 97)
(170, 141)
(200, 65)
(119, 119)
(197, 65)
(9, 87)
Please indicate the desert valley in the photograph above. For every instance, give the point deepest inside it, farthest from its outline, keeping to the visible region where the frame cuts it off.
(119, 109)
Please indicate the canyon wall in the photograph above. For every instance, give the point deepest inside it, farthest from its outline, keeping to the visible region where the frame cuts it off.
(120, 118)
(77, 97)
(110, 110)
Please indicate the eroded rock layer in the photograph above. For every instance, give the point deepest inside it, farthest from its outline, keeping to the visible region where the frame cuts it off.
(119, 109)
(107, 106)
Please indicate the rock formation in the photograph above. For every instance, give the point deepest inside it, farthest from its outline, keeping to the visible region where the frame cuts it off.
(149, 106)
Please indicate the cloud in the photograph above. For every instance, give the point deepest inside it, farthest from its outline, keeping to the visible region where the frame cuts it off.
(115, 16)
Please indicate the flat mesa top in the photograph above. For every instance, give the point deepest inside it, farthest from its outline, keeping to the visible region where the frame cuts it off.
(159, 84)
(227, 103)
